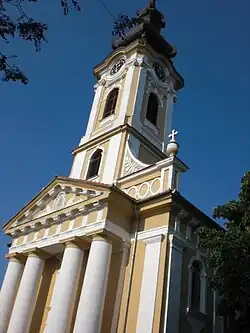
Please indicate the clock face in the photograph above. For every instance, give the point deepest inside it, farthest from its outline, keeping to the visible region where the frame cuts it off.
(117, 66)
(159, 72)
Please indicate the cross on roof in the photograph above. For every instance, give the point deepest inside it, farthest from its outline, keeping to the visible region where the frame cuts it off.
(152, 3)
(173, 134)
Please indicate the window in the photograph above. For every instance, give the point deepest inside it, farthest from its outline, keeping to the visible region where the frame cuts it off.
(195, 285)
(111, 103)
(152, 109)
(94, 164)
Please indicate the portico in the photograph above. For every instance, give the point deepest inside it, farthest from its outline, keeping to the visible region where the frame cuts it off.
(28, 269)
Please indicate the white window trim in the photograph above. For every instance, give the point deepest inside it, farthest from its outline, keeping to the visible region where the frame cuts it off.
(107, 119)
(95, 178)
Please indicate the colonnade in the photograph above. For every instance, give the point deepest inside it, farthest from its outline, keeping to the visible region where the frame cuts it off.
(21, 283)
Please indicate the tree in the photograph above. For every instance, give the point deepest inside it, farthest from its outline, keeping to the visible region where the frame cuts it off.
(228, 259)
(15, 23)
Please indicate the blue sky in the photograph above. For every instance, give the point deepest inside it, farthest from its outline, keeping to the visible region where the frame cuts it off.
(42, 122)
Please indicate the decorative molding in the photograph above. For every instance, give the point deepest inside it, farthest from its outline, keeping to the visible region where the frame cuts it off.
(83, 230)
(135, 190)
(159, 84)
(55, 210)
(154, 239)
(131, 163)
(156, 232)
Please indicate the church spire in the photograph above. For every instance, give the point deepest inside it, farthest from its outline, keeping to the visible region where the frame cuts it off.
(149, 23)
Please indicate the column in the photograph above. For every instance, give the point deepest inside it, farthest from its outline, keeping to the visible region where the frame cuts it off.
(149, 284)
(9, 289)
(173, 297)
(66, 289)
(90, 308)
(27, 293)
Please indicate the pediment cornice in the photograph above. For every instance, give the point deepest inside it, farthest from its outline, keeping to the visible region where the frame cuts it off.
(63, 198)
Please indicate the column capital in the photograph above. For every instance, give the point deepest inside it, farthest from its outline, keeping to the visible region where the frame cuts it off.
(37, 253)
(75, 242)
(16, 257)
(101, 238)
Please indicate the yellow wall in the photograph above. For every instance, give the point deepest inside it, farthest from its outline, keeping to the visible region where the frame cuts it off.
(45, 292)
(113, 279)
(135, 290)
(154, 219)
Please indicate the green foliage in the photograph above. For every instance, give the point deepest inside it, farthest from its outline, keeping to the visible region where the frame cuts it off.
(15, 23)
(228, 258)
(123, 24)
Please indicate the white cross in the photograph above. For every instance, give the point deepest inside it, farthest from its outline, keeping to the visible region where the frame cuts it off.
(173, 134)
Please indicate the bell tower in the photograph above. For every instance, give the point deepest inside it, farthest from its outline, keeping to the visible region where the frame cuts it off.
(131, 114)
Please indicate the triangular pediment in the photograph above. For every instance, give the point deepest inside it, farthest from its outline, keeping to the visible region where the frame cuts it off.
(60, 196)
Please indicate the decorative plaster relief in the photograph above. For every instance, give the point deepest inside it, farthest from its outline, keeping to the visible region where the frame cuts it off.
(131, 163)
(146, 189)
(65, 198)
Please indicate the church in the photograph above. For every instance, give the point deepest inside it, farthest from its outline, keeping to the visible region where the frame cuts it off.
(112, 248)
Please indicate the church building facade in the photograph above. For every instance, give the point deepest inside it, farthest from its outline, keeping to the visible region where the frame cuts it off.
(112, 248)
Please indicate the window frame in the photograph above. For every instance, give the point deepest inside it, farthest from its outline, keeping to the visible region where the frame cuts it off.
(92, 159)
(151, 115)
(202, 308)
(111, 103)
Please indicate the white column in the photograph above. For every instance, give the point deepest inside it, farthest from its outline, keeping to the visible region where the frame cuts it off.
(66, 289)
(90, 308)
(27, 293)
(9, 290)
(173, 297)
(149, 285)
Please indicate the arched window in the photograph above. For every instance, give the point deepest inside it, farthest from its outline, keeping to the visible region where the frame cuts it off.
(195, 285)
(94, 164)
(152, 109)
(111, 103)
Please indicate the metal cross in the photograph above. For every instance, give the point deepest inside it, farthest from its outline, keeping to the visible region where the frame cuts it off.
(173, 134)
(152, 3)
